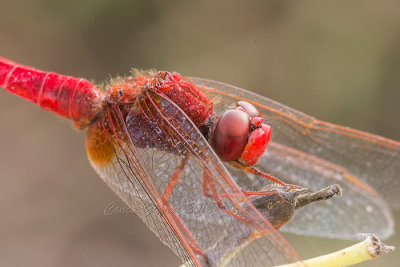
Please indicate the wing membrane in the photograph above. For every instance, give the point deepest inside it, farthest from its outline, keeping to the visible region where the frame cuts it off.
(365, 165)
(343, 217)
(190, 223)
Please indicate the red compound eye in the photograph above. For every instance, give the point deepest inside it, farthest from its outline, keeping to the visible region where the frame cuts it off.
(249, 109)
(230, 134)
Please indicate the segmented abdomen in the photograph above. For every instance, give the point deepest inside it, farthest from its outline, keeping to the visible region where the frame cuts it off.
(70, 97)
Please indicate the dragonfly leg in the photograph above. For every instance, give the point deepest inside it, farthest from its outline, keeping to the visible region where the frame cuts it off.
(255, 193)
(171, 184)
(252, 193)
(258, 172)
(174, 178)
(211, 191)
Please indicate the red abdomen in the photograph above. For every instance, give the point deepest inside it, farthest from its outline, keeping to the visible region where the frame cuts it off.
(69, 97)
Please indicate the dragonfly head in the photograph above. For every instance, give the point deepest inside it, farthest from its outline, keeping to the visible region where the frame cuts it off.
(240, 134)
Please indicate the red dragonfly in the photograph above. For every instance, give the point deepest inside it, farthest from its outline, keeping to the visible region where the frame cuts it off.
(160, 142)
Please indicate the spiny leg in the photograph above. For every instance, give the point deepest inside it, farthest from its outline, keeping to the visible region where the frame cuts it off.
(168, 191)
(210, 190)
(257, 172)
(254, 193)
(174, 178)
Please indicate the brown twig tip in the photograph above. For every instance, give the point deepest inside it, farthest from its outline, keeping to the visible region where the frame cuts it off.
(375, 247)
(323, 194)
(336, 190)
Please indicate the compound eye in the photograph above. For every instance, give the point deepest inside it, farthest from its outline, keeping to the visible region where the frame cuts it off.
(230, 135)
(249, 109)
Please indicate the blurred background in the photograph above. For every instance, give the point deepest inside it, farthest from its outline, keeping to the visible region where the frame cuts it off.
(336, 60)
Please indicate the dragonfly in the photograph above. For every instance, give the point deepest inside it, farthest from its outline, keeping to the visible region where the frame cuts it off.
(188, 154)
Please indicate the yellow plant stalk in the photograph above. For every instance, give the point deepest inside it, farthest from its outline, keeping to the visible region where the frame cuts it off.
(370, 248)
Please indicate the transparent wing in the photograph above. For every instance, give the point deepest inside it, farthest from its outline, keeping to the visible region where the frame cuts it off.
(197, 229)
(366, 166)
(359, 210)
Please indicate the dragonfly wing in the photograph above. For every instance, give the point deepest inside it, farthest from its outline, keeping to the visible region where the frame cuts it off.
(189, 223)
(365, 158)
(358, 204)
(345, 217)
(124, 174)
